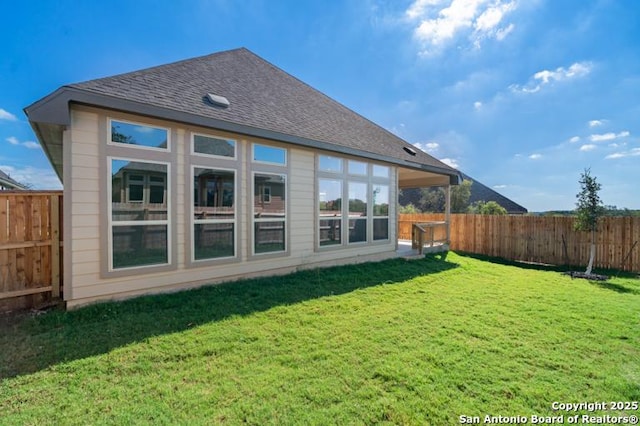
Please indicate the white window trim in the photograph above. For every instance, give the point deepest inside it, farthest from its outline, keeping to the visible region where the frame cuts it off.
(195, 221)
(284, 219)
(374, 217)
(110, 121)
(339, 218)
(346, 178)
(213, 136)
(253, 155)
(111, 222)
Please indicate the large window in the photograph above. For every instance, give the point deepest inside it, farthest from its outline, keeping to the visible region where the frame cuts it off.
(364, 216)
(214, 213)
(139, 213)
(269, 212)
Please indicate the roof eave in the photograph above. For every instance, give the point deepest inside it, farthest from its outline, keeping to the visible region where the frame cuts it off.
(54, 110)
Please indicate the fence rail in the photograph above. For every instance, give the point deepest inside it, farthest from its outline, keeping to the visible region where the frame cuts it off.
(541, 239)
(30, 248)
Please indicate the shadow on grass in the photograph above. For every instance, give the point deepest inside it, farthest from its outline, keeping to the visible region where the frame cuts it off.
(37, 342)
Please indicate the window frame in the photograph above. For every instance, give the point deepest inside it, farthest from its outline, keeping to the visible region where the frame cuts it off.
(110, 142)
(285, 219)
(347, 178)
(155, 222)
(192, 142)
(271, 163)
(193, 221)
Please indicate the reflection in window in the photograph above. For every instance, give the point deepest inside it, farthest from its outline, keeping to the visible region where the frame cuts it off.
(330, 214)
(269, 154)
(380, 171)
(269, 214)
(139, 190)
(380, 212)
(139, 213)
(138, 135)
(214, 146)
(357, 168)
(357, 212)
(327, 163)
(213, 213)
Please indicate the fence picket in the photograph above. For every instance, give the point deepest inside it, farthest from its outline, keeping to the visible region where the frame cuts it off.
(539, 238)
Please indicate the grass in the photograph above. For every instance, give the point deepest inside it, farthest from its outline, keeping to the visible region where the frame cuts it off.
(396, 342)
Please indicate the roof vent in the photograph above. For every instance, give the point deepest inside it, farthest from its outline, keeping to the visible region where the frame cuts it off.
(409, 150)
(218, 100)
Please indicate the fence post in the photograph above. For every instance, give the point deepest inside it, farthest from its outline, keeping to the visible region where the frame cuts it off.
(55, 246)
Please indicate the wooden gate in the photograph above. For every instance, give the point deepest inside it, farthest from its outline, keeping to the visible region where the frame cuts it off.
(30, 249)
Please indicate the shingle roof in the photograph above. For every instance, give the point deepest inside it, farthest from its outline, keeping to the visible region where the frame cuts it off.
(480, 192)
(261, 96)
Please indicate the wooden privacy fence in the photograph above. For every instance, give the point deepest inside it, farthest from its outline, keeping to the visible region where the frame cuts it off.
(541, 239)
(30, 248)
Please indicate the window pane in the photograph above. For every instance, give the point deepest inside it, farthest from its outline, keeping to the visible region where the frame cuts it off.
(330, 197)
(138, 200)
(214, 146)
(269, 154)
(357, 168)
(330, 232)
(269, 199)
(327, 163)
(269, 236)
(380, 200)
(213, 194)
(380, 171)
(381, 229)
(357, 199)
(213, 240)
(357, 230)
(139, 245)
(156, 194)
(138, 134)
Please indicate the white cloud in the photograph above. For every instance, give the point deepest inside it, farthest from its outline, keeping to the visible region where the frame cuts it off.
(28, 144)
(588, 147)
(427, 146)
(6, 115)
(31, 145)
(451, 162)
(500, 186)
(535, 156)
(608, 136)
(575, 139)
(477, 105)
(441, 21)
(596, 123)
(631, 153)
(545, 77)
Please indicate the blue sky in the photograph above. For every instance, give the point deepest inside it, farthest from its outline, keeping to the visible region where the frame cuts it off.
(522, 95)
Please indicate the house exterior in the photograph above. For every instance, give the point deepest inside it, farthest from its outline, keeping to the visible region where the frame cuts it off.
(217, 168)
(6, 183)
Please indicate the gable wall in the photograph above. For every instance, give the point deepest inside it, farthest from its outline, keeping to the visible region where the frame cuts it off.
(85, 179)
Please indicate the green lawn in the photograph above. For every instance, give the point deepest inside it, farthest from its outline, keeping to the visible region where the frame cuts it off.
(397, 342)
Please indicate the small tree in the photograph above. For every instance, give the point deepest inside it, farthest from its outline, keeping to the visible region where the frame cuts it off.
(589, 208)
(460, 195)
(490, 207)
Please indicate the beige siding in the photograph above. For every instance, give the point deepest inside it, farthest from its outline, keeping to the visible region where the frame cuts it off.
(87, 246)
